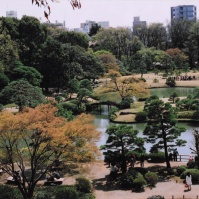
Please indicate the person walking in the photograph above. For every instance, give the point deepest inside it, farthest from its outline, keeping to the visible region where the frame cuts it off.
(189, 180)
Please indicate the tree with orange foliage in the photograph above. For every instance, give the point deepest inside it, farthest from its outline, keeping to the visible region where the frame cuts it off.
(34, 140)
(127, 87)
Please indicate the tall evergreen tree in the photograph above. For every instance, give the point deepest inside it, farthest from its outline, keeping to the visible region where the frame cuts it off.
(121, 140)
(161, 129)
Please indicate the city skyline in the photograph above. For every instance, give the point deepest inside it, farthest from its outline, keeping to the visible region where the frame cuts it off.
(117, 12)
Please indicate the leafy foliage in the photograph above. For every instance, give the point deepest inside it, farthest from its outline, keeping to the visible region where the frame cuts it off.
(122, 139)
(161, 129)
(22, 93)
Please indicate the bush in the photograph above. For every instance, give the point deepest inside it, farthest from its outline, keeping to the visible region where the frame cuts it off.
(139, 183)
(126, 103)
(171, 82)
(112, 113)
(8, 192)
(180, 170)
(195, 115)
(83, 185)
(141, 116)
(194, 173)
(185, 114)
(128, 178)
(192, 165)
(155, 80)
(177, 99)
(151, 178)
(43, 195)
(87, 196)
(156, 157)
(66, 192)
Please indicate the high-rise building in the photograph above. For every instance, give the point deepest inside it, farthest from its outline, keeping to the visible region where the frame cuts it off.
(184, 12)
(137, 23)
(11, 14)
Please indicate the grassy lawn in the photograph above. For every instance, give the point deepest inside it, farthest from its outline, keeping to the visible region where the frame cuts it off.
(111, 96)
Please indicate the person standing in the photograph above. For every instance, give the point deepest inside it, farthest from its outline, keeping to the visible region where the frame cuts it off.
(142, 158)
(189, 180)
(175, 155)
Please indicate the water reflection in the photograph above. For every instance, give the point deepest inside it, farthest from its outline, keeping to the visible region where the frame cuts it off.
(102, 121)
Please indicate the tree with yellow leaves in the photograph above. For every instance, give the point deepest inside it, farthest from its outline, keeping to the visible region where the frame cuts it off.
(35, 139)
(127, 87)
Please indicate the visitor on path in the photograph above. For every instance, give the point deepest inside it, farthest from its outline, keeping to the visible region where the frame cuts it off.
(113, 171)
(142, 158)
(189, 180)
(175, 155)
(132, 160)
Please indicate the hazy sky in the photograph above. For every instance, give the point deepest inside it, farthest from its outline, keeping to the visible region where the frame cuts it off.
(117, 12)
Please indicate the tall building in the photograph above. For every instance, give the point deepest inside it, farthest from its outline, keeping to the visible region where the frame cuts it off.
(85, 27)
(11, 14)
(137, 23)
(184, 12)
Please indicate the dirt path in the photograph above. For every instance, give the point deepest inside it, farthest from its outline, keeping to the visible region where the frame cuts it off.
(167, 188)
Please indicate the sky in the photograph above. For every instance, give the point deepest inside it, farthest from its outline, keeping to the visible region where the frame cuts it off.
(119, 13)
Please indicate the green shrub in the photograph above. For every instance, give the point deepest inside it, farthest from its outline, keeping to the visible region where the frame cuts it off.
(66, 192)
(139, 183)
(87, 196)
(112, 113)
(177, 99)
(127, 179)
(156, 157)
(171, 82)
(142, 99)
(126, 103)
(192, 165)
(151, 178)
(141, 116)
(195, 115)
(194, 173)
(9, 192)
(155, 80)
(83, 185)
(185, 114)
(180, 170)
(43, 195)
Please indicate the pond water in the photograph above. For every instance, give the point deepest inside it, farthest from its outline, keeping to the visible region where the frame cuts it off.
(102, 122)
(166, 92)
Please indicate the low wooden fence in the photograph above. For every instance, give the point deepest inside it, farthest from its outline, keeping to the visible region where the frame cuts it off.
(184, 158)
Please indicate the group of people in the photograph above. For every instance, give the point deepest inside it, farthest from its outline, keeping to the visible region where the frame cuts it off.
(133, 160)
(174, 156)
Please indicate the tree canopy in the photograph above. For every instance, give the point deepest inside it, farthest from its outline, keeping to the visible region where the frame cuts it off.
(34, 140)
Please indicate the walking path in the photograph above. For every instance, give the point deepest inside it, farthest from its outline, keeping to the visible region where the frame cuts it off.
(168, 188)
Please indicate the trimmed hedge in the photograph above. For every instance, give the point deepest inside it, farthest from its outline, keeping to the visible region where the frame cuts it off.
(156, 157)
(141, 116)
(66, 192)
(180, 170)
(194, 173)
(9, 192)
(83, 185)
(151, 178)
(185, 114)
(139, 183)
